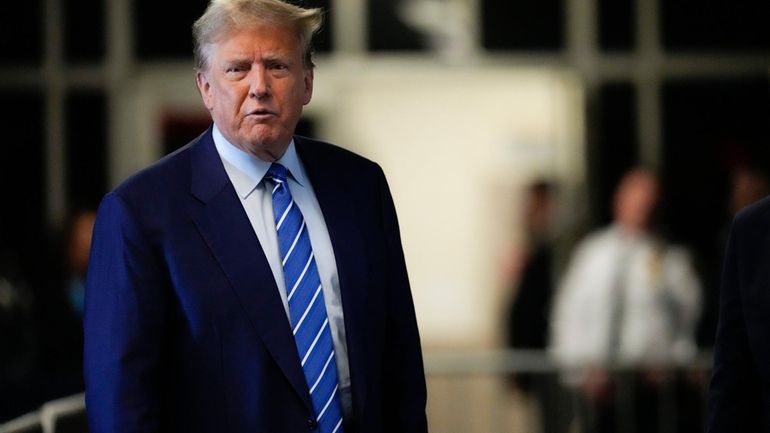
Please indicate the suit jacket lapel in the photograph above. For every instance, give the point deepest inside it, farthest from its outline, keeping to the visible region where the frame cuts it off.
(339, 214)
(226, 228)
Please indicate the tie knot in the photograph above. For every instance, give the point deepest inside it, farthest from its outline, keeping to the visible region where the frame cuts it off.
(277, 172)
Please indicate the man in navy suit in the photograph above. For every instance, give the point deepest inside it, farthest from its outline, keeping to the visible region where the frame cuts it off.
(192, 317)
(739, 395)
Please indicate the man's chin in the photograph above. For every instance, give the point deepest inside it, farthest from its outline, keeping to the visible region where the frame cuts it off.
(265, 146)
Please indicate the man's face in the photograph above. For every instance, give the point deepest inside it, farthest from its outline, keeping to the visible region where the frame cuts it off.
(635, 201)
(255, 86)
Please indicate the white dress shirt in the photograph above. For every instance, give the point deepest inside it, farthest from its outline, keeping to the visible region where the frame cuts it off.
(246, 173)
(660, 297)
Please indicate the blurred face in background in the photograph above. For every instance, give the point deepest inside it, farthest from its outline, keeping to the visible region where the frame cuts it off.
(255, 85)
(747, 186)
(539, 209)
(79, 242)
(635, 200)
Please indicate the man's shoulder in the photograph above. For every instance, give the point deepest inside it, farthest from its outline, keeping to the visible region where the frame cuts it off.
(751, 226)
(755, 214)
(597, 239)
(348, 171)
(328, 153)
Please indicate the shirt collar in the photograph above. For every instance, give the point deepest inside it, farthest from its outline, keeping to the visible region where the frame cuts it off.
(250, 169)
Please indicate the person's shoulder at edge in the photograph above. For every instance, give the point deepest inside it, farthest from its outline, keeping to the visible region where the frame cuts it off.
(749, 233)
(755, 215)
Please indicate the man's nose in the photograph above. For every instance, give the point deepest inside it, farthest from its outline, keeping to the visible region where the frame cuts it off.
(259, 85)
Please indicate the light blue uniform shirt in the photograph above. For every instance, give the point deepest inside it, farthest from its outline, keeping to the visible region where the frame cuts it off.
(246, 172)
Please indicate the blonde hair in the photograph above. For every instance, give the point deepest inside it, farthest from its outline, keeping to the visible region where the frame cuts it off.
(223, 16)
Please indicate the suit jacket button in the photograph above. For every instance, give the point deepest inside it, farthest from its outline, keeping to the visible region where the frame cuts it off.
(312, 424)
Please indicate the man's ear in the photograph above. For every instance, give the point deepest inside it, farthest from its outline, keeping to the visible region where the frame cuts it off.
(308, 79)
(204, 87)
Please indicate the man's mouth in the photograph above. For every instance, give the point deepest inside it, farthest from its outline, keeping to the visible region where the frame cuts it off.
(260, 113)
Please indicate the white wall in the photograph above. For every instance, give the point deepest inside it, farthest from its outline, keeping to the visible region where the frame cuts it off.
(457, 145)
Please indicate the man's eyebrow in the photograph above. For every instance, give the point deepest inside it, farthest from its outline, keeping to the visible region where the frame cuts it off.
(239, 61)
(275, 57)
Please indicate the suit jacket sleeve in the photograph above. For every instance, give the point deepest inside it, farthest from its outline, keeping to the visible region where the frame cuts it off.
(403, 378)
(123, 324)
(733, 396)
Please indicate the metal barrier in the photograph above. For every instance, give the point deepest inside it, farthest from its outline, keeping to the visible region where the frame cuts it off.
(474, 392)
(65, 415)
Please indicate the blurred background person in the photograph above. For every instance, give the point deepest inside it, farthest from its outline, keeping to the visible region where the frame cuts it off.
(78, 247)
(747, 185)
(738, 387)
(627, 299)
(527, 318)
(62, 309)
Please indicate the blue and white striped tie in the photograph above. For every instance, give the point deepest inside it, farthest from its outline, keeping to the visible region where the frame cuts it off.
(307, 309)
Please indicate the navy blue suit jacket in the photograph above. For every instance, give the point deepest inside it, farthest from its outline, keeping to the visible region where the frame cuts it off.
(184, 326)
(739, 396)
